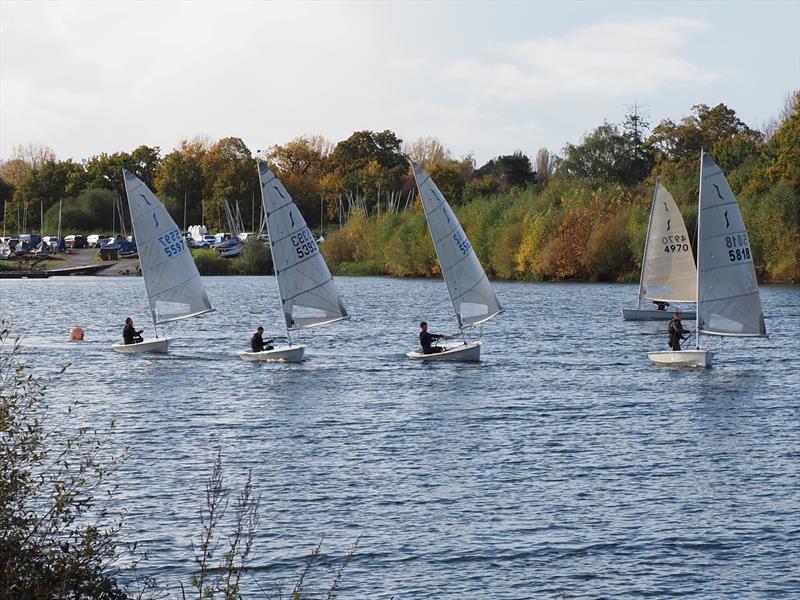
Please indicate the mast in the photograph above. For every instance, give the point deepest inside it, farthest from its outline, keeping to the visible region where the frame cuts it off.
(646, 244)
(697, 323)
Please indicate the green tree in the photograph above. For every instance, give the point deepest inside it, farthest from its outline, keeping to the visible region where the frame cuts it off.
(510, 170)
(301, 165)
(638, 158)
(596, 159)
(702, 130)
(447, 176)
(229, 172)
(369, 162)
(88, 213)
(179, 180)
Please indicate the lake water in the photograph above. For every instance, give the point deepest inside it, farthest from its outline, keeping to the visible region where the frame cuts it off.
(562, 465)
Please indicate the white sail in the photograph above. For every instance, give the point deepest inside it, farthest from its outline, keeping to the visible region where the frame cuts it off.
(308, 293)
(668, 271)
(473, 298)
(728, 302)
(173, 285)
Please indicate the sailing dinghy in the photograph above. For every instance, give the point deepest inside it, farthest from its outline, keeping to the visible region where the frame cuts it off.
(171, 280)
(728, 302)
(668, 271)
(309, 297)
(471, 294)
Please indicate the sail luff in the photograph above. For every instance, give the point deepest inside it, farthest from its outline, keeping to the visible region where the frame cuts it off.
(698, 250)
(646, 245)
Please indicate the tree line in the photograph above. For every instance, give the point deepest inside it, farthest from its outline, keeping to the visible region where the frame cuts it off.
(583, 215)
(360, 184)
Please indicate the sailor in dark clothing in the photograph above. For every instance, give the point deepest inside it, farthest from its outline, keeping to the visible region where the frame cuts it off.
(257, 342)
(660, 305)
(426, 340)
(676, 331)
(129, 334)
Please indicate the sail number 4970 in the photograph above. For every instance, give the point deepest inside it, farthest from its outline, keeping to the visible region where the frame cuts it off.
(675, 243)
(304, 244)
(738, 247)
(172, 243)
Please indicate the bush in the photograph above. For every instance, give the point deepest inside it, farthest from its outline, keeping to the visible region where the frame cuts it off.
(58, 539)
(255, 259)
(209, 262)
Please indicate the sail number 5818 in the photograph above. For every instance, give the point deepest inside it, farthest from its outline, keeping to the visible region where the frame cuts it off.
(738, 247)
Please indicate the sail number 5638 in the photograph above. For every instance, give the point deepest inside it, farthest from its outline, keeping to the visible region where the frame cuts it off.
(172, 243)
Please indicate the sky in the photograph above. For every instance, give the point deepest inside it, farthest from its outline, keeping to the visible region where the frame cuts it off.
(488, 79)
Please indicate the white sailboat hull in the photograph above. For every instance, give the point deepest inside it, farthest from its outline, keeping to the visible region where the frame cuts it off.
(639, 314)
(463, 353)
(158, 346)
(282, 354)
(682, 358)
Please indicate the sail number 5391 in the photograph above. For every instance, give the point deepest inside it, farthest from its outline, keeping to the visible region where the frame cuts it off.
(172, 243)
(304, 244)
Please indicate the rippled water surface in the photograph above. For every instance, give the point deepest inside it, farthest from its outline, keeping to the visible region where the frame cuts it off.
(563, 464)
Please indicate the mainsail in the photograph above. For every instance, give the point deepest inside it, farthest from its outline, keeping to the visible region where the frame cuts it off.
(173, 285)
(473, 298)
(668, 271)
(308, 292)
(728, 302)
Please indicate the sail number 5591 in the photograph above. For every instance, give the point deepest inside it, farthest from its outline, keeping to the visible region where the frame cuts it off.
(172, 243)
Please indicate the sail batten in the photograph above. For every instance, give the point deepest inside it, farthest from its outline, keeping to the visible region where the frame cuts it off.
(309, 295)
(471, 293)
(728, 301)
(172, 282)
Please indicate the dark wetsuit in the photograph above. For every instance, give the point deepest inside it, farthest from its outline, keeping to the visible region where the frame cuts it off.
(258, 344)
(130, 335)
(661, 305)
(426, 339)
(676, 332)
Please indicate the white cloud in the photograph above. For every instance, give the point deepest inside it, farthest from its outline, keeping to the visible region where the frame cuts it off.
(610, 58)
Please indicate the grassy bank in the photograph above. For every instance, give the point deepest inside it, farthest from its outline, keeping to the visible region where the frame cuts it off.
(566, 231)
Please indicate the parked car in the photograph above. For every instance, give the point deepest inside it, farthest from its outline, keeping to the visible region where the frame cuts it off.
(51, 240)
(75, 241)
(95, 241)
